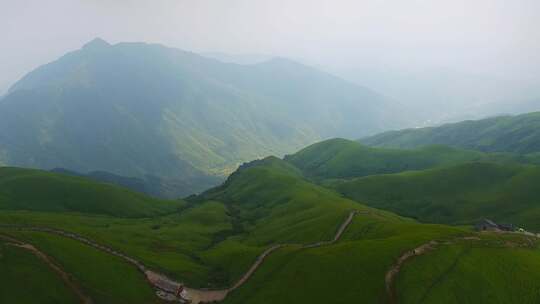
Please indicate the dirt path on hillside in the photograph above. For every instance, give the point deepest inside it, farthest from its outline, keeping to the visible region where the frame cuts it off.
(208, 296)
(66, 278)
(393, 272)
(172, 290)
(395, 269)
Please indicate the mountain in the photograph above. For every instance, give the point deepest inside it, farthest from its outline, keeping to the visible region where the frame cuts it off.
(237, 58)
(506, 107)
(136, 109)
(341, 158)
(518, 134)
(444, 95)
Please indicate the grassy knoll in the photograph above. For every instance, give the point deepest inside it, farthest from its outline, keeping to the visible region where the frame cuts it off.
(340, 158)
(460, 194)
(499, 269)
(26, 279)
(271, 203)
(105, 278)
(25, 189)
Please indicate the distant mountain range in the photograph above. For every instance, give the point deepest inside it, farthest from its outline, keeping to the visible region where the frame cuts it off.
(237, 58)
(443, 95)
(136, 109)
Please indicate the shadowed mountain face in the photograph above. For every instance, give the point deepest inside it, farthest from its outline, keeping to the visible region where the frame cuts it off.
(136, 109)
(151, 185)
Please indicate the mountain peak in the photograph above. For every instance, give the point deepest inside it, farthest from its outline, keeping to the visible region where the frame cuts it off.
(96, 43)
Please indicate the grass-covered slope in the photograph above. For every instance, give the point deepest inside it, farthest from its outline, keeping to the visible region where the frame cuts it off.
(519, 134)
(271, 202)
(350, 271)
(460, 194)
(104, 278)
(496, 269)
(26, 189)
(214, 241)
(341, 158)
(218, 235)
(26, 279)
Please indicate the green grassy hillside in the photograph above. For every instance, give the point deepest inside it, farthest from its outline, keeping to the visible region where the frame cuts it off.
(25, 189)
(219, 234)
(216, 237)
(271, 202)
(341, 158)
(26, 279)
(351, 271)
(104, 278)
(497, 270)
(519, 134)
(460, 194)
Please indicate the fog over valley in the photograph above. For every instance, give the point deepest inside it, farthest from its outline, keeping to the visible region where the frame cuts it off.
(438, 58)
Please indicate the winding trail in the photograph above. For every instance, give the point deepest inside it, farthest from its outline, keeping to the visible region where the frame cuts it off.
(66, 278)
(172, 290)
(392, 273)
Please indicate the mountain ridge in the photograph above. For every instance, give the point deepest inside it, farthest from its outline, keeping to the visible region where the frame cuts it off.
(134, 109)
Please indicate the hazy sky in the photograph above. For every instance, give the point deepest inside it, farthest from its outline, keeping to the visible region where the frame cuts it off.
(499, 37)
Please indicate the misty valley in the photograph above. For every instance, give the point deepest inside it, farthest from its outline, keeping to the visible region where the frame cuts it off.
(142, 172)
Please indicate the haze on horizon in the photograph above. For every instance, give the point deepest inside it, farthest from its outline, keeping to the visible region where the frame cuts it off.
(383, 45)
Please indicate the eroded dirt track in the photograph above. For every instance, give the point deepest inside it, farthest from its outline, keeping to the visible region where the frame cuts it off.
(395, 269)
(66, 278)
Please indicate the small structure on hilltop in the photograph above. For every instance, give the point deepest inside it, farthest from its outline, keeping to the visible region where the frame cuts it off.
(489, 225)
(507, 227)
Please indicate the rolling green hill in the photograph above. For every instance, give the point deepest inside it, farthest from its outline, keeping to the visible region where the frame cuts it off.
(218, 235)
(519, 134)
(341, 158)
(461, 194)
(136, 109)
(215, 240)
(34, 190)
(434, 184)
